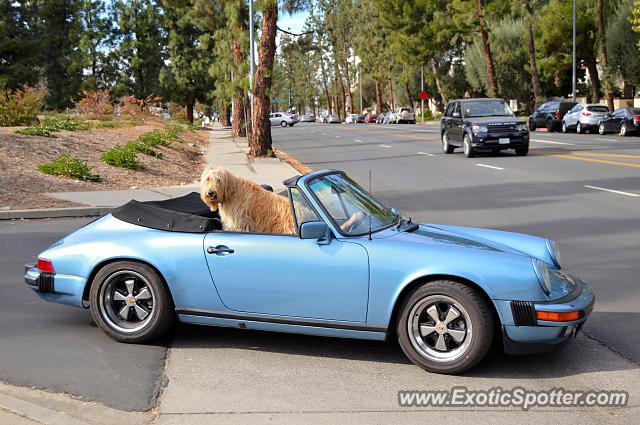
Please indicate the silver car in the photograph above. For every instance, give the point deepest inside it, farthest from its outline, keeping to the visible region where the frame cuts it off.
(584, 117)
(283, 119)
(404, 115)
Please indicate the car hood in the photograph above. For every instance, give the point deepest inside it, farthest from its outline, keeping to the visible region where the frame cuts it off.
(494, 120)
(477, 238)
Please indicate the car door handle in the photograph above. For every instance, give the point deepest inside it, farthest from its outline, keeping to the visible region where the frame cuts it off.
(220, 249)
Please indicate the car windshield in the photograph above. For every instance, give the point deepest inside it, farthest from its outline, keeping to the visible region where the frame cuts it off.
(488, 108)
(597, 108)
(349, 206)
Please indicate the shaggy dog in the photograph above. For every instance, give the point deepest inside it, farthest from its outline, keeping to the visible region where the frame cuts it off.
(244, 205)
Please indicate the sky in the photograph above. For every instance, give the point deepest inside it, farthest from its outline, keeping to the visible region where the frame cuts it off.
(293, 23)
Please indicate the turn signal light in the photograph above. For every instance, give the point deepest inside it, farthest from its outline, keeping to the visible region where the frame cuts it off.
(45, 265)
(554, 316)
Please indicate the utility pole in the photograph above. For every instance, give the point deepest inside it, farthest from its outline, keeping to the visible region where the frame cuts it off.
(421, 99)
(573, 81)
(360, 84)
(251, 61)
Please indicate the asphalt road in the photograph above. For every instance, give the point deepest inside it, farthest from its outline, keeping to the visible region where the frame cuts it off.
(581, 190)
(57, 348)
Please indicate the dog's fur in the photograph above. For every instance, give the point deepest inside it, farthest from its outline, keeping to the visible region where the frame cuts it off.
(245, 206)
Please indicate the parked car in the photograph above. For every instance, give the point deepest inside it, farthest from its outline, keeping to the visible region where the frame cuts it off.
(388, 118)
(380, 118)
(334, 119)
(308, 118)
(482, 125)
(351, 119)
(283, 119)
(360, 118)
(584, 117)
(623, 121)
(446, 292)
(370, 118)
(322, 118)
(549, 115)
(404, 115)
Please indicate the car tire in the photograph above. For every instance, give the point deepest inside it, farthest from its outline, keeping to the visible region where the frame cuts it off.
(283, 124)
(467, 148)
(522, 151)
(140, 288)
(565, 129)
(445, 327)
(446, 147)
(550, 127)
(601, 129)
(624, 130)
(532, 124)
(578, 128)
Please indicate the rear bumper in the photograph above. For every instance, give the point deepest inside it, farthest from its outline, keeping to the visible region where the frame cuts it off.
(59, 288)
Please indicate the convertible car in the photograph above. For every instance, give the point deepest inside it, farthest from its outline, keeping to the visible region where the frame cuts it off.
(446, 292)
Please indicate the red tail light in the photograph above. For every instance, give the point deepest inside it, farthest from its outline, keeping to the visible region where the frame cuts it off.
(558, 115)
(45, 265)
(586, 114)
(636, 120)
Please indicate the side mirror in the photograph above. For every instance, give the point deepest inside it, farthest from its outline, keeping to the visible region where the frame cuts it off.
(456, 115)
(316, 230)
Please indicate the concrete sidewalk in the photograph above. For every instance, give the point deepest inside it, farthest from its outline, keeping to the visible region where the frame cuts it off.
(223, 151)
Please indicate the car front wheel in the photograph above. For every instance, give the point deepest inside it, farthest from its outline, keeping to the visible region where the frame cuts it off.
(579, 128)
(532, 124)
(550, 126)
(467, 148)
(601, 129)
(283, 124)
(445, 327)
(130, 302)
(565, 129)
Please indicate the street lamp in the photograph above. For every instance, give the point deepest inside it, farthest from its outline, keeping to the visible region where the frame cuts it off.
(573, 81)
(357, 59)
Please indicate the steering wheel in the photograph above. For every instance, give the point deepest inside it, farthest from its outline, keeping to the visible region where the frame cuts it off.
(357, 223)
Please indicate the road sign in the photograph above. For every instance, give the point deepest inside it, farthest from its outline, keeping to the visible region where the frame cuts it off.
(424, 95)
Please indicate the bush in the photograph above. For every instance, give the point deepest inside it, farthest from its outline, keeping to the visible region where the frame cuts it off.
(63, 122)
(122, 156)
(95, 103)
(104, 124)
(144, 149)
(35, 131)
(68, 166)
(20, 107)
(155, 138)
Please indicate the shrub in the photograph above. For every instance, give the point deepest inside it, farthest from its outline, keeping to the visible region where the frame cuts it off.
(95, 103)
(144, 149)
(104, 124)
(63, 122)
(155, 138)
(68, 166)
(122, 156)
(20, 107)
(36, 131)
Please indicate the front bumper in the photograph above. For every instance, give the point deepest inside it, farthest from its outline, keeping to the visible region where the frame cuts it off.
(499, 141)
(59, 288)
(523, 333)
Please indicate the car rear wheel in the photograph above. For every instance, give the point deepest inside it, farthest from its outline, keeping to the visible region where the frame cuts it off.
(446, 147)
(130, 302)
(601, 129)
(623, 130)
(565, 129)
(445, 327)
(550, 126)
(467, 148)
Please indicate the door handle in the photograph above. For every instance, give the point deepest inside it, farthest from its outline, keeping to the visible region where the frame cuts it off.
(220, 249)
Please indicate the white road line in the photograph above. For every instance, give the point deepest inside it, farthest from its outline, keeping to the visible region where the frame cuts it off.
(324, 134)
(619, 192)
(358, 140)
(337, 137)
(424, 153)
(553, 143)
(606, 140)
(412, 129)
(490, 166)
(385, 146)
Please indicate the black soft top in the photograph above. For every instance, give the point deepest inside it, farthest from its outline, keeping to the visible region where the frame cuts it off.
(183, 214)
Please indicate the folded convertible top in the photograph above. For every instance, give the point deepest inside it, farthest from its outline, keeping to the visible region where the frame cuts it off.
(183, 214)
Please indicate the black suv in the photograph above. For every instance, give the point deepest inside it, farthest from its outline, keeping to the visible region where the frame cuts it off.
(549, 115)
(482, 125)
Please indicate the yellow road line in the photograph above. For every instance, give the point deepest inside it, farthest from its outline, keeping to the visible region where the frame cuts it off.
(607, 155)
(599, 161)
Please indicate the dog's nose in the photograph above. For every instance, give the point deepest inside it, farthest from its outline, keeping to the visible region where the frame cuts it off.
(210, 193)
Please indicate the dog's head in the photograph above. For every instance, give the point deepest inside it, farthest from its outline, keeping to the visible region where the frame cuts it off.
(217, 186)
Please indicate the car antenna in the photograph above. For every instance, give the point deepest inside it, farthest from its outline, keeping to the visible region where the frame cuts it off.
(370, 194)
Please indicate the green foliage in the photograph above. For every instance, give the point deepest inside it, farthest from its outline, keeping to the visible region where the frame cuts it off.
(104, 124)
(145, 149)
(64, 122)
(68, 166)
(122, 156)
(36, 131)
(155, 138)
(623, 46)
(21, 106)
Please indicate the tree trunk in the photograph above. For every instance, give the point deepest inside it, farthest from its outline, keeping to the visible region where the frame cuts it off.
(325, 86)
(491, 72)
(535, 80)
(595, 81)
(602, 53)
(436, 76)
(237, 124)
(225, 116)
(190, 112)
(346, 72)
(260, 142)
(378, 97)
(407, 94)
(391, 100)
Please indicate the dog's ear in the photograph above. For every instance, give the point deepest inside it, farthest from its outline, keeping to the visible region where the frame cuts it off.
(228, 183)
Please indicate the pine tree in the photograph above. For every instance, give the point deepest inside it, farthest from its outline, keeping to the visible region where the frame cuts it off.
(94, 44)
(17, 45)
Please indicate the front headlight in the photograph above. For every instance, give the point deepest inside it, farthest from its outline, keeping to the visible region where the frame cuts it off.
(479, 129)
(544, 277)
(552, 247)
(522, 127)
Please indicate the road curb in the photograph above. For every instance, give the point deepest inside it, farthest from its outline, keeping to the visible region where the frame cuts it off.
(37, 413)
(55, 213)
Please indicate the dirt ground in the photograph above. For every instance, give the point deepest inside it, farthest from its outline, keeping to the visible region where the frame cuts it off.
(22, 186)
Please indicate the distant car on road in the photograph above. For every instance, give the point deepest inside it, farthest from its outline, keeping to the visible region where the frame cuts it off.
(549, 115)
(404, 115)
(370, 118)
(283, 119)
(308, 118)
(351, 119)
(623, 121)
(584, 117)
(334, 119)
(380, 118)
(388, 118)
(482, 125)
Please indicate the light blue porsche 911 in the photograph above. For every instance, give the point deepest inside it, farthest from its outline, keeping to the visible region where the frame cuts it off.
(447, 292)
